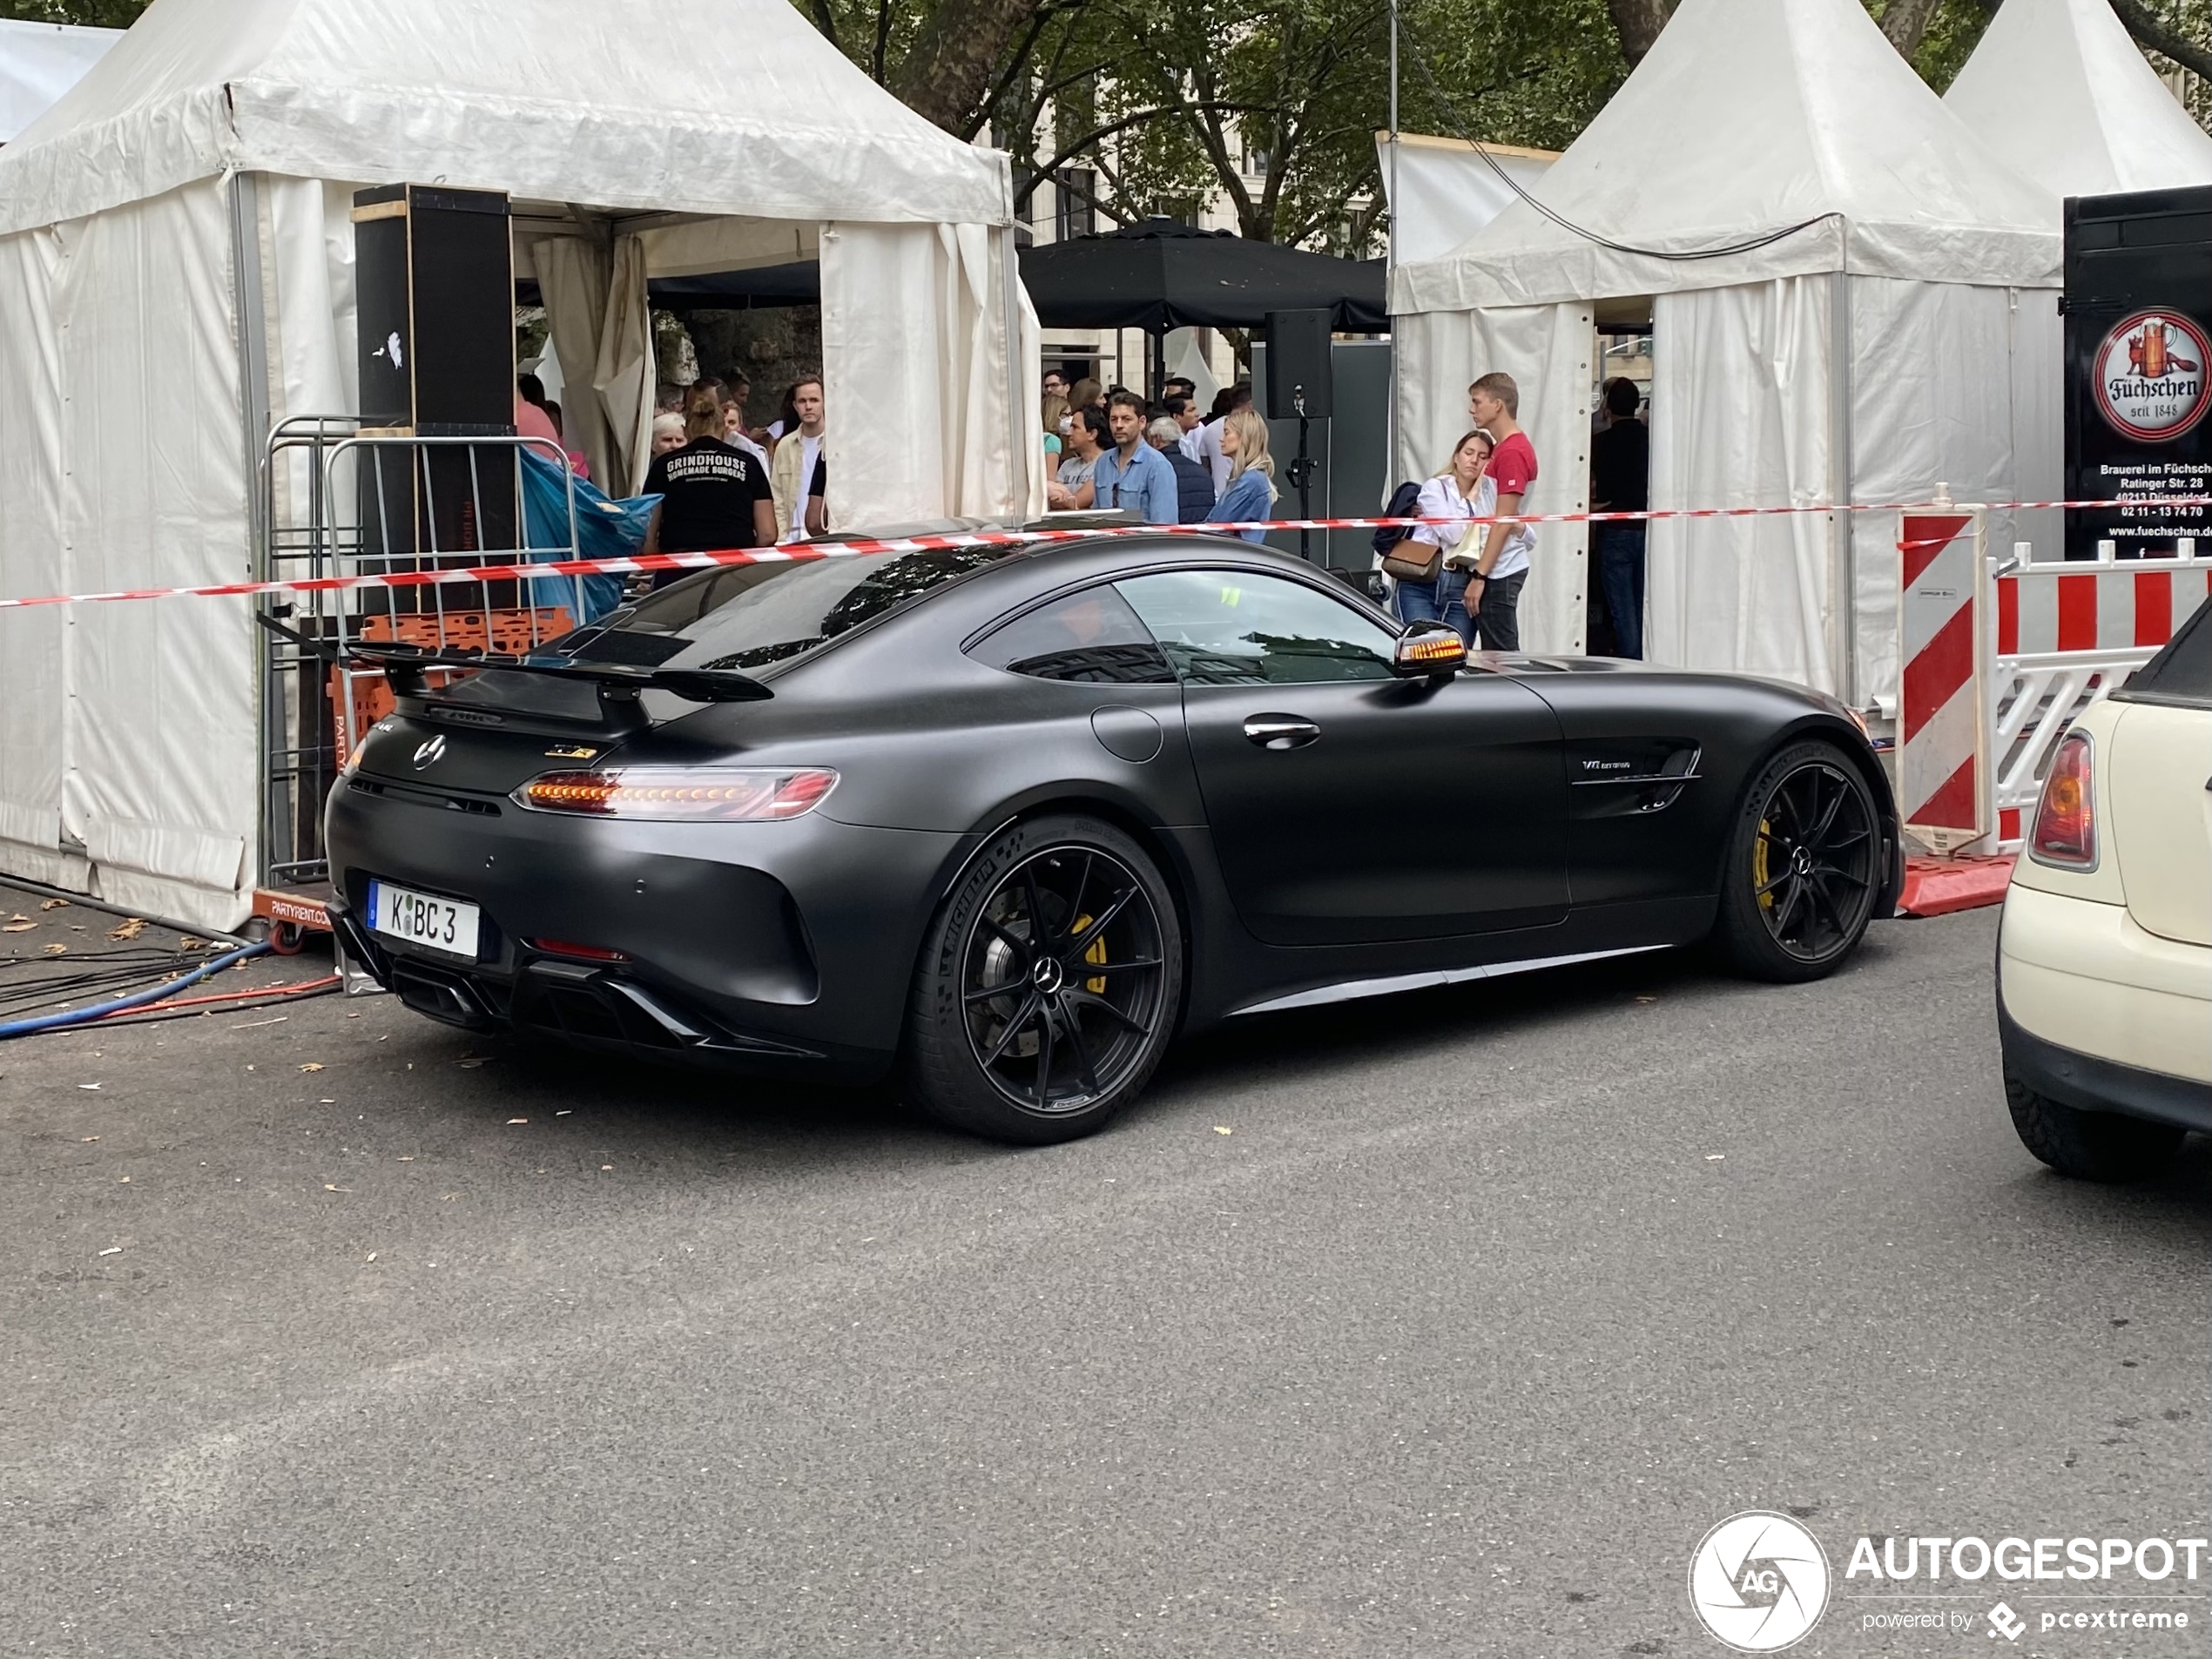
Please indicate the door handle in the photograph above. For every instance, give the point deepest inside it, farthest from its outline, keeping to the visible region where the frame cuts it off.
(1280, 731)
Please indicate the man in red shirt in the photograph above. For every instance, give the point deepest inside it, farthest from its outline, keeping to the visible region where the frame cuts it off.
(1501, 568)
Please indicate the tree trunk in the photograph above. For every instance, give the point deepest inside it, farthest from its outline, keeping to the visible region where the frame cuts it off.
(946, 74)
(1905, 21)
(1638, 24)
(2150, 32)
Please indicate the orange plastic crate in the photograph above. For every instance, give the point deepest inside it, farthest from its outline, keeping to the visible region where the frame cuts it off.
(508, 631)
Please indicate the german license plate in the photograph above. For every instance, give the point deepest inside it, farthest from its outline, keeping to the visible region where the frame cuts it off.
(423, 918)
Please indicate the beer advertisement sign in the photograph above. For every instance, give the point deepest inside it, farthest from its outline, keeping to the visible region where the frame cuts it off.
(2151, 375)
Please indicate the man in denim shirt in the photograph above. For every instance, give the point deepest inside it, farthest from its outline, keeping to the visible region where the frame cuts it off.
(1133, 476)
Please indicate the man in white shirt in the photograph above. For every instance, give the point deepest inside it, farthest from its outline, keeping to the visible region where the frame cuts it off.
(791, 472)
(1208, 454)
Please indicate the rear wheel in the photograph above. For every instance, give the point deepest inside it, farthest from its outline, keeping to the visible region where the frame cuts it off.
(1048, 986)
(2089, 1146)
(1804, 867)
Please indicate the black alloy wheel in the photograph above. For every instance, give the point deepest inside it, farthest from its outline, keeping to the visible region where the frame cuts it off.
(1805, 865)
(1050, 986)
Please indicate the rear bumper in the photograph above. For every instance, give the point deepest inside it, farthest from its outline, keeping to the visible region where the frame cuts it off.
(2091, 1084)
(781, 949)
(2080, 976)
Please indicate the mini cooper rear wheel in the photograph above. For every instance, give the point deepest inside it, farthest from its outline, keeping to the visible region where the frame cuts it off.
(1804, 866)
(2089, 1146)
(1048, 985)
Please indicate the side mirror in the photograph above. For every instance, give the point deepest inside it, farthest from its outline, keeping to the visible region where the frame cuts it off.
(1428, 651)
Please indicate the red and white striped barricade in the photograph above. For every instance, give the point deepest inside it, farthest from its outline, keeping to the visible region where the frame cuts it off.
(2067, 633)
(1942, 755)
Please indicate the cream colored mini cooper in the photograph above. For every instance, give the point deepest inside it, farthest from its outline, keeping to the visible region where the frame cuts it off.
(2104, 962)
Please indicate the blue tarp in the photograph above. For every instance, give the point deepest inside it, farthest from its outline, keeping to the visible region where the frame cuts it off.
(604, 530)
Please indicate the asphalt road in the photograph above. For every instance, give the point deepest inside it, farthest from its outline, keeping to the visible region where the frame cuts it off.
(1487, 1305)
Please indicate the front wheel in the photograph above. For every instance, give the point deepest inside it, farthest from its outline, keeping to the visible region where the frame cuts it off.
(1048, 986)
(1804, 863)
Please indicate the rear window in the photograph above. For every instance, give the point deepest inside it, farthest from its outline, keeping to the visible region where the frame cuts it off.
(2182, 672)
(755, 616)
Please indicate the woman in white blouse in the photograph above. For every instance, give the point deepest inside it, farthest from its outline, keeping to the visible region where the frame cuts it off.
(1461, 492)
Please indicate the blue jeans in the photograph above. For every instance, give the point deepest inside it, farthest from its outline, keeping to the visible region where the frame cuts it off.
(1443, 600)
(1619, 572)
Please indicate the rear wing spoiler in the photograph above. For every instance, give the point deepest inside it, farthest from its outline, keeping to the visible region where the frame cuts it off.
(408, 667)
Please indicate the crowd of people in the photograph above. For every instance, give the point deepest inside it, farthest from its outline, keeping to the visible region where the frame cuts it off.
(723, 484)
(1165, 463)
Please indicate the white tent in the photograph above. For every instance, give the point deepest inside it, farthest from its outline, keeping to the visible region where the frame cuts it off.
(2059, 89)
(1442, 191)
(39, 63)
(176, 256)
(1850, 301)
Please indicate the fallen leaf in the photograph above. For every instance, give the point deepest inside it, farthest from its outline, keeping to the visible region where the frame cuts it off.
(130, 929)
(1223, 1128)
(371, 1255)
(84, 1140)
(17, 925)
(312, 1065)
(88, 1085)
(518, 1120)
(112, 1250)
(56, 950)
(55, 904)
(189, 943)
(123, 1181)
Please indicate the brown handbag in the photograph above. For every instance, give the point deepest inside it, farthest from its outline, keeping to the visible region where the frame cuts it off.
(1401, 566)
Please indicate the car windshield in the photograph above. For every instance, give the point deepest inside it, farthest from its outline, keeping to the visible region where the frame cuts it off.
(755, 616)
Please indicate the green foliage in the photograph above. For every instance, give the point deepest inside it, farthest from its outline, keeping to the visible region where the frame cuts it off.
(98, 13)
(1954, 32)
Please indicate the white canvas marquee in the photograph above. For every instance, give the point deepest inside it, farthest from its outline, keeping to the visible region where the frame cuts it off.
(39, 63)
(2060, 90)
(176, 266)
(1442, 191)
(1850, 300)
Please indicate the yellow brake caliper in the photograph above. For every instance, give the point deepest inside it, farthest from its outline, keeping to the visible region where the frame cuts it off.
(1758, 867)
(1096, 956)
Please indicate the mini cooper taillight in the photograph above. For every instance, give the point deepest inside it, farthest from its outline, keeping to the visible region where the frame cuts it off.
(2066, 825)
(718, 794)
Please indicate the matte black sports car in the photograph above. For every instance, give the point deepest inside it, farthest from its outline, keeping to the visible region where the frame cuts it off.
(1005, 818)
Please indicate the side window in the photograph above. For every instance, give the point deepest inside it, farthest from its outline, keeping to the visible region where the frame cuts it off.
(1092, 635)
(1234, 628)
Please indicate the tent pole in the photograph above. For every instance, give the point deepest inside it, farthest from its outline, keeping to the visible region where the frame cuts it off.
(1842, 580)
(1390, 265)
(248, 295)
(1159, 387)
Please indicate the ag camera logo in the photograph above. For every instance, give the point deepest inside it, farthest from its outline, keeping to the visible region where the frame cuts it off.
(1758, 1581)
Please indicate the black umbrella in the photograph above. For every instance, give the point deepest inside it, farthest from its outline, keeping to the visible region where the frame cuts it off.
(1159, 275)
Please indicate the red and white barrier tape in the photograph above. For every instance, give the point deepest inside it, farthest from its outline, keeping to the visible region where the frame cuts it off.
(707, 561)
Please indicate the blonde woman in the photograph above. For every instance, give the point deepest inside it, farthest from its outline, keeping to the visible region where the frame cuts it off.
(1462, 491)
(1251, 491)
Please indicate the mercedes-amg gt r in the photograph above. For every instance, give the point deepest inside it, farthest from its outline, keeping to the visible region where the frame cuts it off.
(1003, 820)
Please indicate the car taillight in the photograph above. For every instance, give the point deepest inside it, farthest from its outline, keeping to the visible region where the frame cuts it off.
(720, 794)
(2066, 824)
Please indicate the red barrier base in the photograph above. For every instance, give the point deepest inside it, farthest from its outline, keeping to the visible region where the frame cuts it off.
(1936, 886)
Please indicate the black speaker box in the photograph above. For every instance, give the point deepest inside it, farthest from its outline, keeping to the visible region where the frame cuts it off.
(1298, 380)
(435, 286)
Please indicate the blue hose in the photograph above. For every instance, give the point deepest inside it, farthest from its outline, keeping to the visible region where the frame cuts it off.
(136, 999)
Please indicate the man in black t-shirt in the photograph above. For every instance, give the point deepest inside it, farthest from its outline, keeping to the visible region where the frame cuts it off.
(713, 495)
